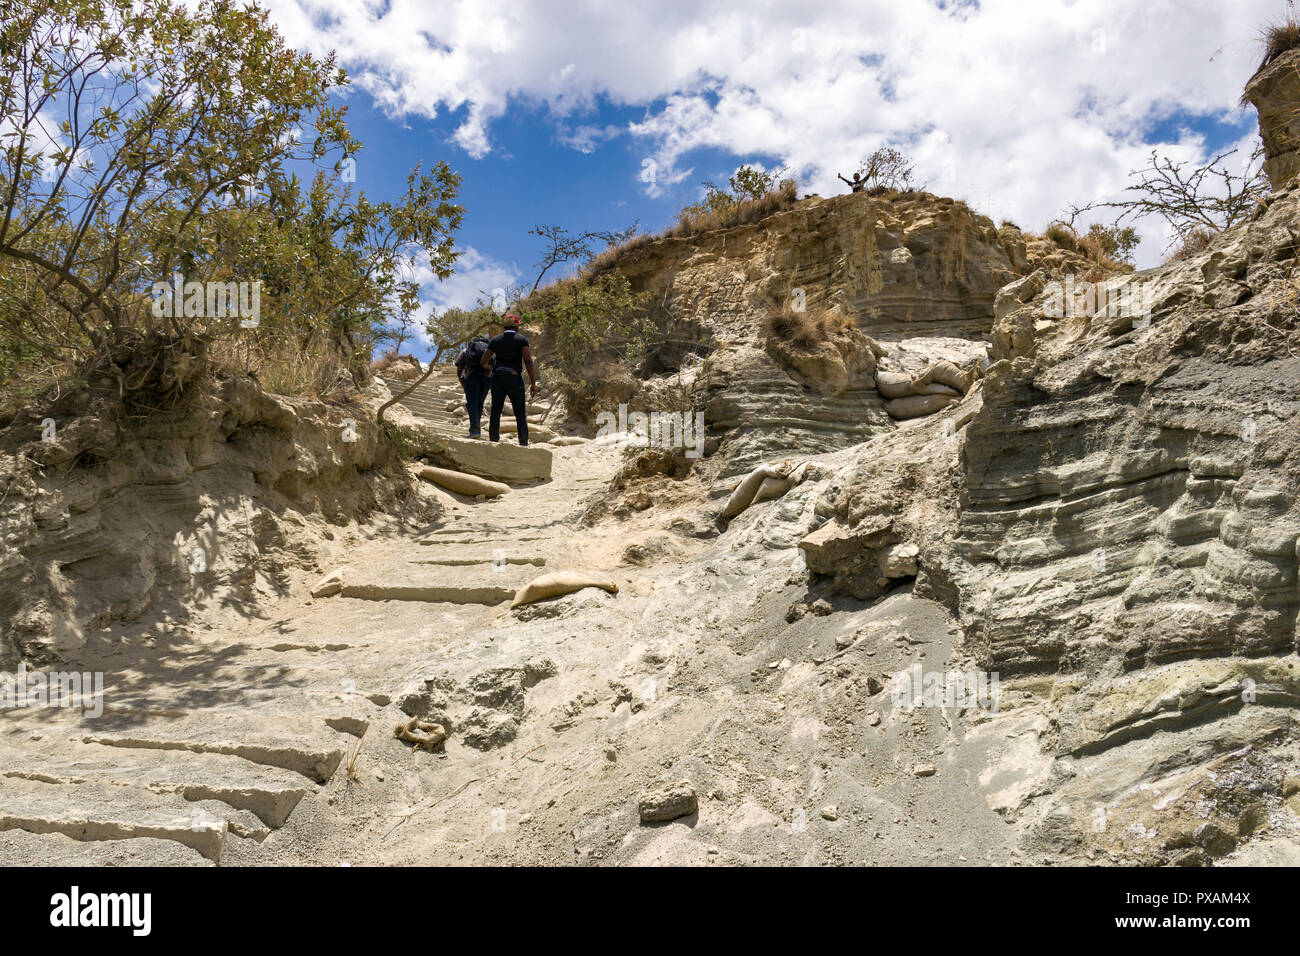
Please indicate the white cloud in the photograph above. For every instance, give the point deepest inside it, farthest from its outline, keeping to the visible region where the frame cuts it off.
(1020, 108)
(477, 276)
(585, 138)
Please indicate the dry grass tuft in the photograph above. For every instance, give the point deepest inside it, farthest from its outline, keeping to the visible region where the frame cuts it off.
(738, 213)
(1198, 240)
(285, 369)
(1063, 236)
(1092, 246)
(891, 192)
(1279, 38)
(610, 257)
(808, 329)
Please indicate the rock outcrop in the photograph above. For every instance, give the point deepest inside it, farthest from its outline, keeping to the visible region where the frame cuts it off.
(917, 264)
(907, 270)
(106, 510)
(1274, 91)
(1130, 483)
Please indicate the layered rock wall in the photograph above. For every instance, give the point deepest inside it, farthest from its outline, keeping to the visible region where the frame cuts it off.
(913, 265)
(108, 510)
(1130, 483)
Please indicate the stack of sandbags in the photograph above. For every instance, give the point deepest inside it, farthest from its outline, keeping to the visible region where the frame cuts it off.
(940, 385)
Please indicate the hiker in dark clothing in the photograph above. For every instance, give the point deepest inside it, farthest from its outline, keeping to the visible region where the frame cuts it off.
(858, 183)
(475, 380)
(510, 349)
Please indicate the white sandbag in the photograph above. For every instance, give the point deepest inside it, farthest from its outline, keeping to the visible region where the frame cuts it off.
(894, 384)
(561, 582)
(462, 483)
(564, 440)
(914, 406)
(767, 482)
(945, 373)
(772, 488)
(744, 494)
(776, 487)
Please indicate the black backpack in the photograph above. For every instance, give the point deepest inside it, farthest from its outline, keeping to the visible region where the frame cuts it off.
(471, 356)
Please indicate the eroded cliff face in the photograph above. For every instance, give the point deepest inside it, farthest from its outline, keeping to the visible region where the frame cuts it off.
(108, 510)
(1130, 482)
(914, 265)
(1122, 487)
(1275, 92)
(903, 268)
(1111, 515)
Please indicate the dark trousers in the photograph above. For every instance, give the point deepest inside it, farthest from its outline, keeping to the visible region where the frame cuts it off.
(476, 393)
(508, 384)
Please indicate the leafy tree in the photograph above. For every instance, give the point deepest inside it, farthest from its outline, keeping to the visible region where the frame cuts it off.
(141, 138)
(716, 200)
(584, 318)
(747, 183)
(335, 267)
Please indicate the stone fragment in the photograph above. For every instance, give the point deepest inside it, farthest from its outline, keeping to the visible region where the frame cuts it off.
(329, 585)
(666, 803)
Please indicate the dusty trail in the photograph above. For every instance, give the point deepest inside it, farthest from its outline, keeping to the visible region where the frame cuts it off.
(259, 731)
(264, 735)
(255, 726)
(238, 704)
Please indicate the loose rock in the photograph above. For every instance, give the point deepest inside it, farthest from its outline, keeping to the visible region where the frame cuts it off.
(668, 803)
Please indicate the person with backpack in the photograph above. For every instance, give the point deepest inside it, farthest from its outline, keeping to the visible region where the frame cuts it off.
(475, 379)
(510, 351)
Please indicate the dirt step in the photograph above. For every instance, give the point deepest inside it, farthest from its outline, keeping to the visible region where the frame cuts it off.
(270, 793)
(312, 747)
(470, 538)
(470, 561)
(470, 527)
(96, 811)
(453, 585)
(21, 848)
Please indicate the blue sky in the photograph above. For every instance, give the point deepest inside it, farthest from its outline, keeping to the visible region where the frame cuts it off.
(532, 177)
(553, 112)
